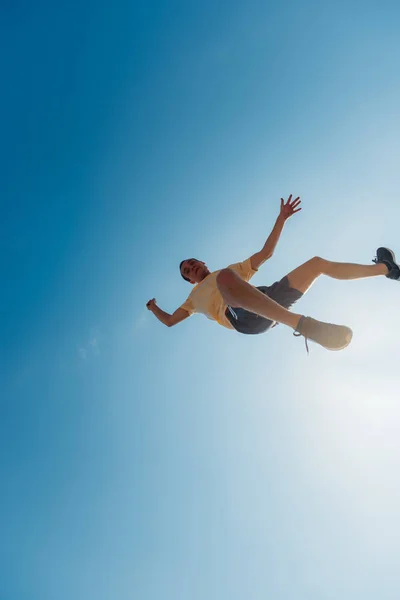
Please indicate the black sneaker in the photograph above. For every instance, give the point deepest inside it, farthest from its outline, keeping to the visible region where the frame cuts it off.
(387, 257)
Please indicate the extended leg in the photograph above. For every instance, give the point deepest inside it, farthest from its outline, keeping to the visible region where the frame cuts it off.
(304, 276)
(237, 292)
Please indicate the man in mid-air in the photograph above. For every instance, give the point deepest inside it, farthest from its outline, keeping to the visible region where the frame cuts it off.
(226, 297)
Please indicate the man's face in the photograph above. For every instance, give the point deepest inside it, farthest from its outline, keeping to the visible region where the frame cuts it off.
(194, 270)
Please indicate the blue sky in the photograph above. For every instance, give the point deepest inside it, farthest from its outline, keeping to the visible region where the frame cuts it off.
(144, 462)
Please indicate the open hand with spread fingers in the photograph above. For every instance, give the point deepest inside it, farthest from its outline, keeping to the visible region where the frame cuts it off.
(290, 207)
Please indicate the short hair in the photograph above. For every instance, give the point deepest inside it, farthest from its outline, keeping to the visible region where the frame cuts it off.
(185, 278)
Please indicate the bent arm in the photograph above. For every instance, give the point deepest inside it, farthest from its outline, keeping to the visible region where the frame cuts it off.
(169, 320)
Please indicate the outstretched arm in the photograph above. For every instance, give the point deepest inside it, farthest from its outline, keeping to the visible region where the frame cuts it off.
(288, 209)
(169, 320)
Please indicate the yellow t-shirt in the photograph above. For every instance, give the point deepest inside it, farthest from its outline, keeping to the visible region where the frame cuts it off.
(206, 298)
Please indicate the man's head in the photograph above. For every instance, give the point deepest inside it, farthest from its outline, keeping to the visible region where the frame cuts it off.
(193, 270)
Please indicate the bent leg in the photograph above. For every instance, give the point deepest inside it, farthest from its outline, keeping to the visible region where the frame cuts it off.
(237, 292)
(304, 276)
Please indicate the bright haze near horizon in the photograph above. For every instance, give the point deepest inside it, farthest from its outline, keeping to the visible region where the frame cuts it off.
(146, 462)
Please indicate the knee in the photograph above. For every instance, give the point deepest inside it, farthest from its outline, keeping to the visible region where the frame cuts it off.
(320, 266)
(319, 263)
(226, 278)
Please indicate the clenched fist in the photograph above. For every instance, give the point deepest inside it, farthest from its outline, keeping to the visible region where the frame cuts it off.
(151, 304)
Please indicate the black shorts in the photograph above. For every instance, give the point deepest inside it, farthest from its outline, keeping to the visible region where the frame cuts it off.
(245, 321)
